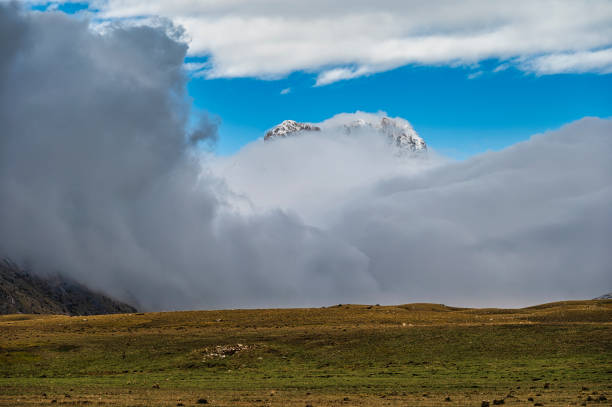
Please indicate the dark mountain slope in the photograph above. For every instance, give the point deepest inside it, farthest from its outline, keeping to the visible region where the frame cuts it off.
(25, 293)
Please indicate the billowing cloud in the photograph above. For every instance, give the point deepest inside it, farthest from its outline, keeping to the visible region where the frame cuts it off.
(100, 180)
(530, 222)
(527, 224)
(345, 39)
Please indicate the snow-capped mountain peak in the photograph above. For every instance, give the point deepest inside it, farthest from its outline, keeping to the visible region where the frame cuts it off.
(288, 127)
(398, 131)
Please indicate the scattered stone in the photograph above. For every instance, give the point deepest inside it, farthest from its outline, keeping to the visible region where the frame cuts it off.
(155, 386)
(547, 385)
(345, 399)
(447, 398)
(589, 398)
(538, 404)
(584, 388)
(484, 404)
(53, 401)
(498, 402)
(179, 404)
(602, 398)
(530, 399)
(202, 401)
(222, 351)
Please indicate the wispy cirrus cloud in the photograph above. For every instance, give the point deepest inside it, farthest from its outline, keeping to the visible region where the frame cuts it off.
(574, 62)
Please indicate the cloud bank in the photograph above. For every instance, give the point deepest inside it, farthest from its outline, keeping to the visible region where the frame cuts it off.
(101, 181)
(527, 224)
(346, 39)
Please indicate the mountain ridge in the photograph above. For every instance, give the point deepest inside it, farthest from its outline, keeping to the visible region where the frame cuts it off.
(399, 132)
(24, 293)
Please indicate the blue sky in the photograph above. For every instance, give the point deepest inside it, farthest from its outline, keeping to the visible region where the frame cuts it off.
(460, 104)
(456, 115)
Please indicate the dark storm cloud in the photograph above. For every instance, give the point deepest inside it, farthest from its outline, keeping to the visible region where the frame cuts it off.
(98, 181)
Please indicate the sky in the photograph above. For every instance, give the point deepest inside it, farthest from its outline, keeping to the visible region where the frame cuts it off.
(107, 176)
(470, 78)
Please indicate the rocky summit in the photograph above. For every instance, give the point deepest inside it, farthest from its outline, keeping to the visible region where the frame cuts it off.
(289, 127)
(398, 131)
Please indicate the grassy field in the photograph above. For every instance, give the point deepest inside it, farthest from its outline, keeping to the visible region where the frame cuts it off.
(419, 354)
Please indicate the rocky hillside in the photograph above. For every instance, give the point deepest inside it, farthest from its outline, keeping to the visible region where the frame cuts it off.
(604, 297)
(25, 293)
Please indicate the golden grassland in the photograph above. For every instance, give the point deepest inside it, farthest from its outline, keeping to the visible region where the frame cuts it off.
(557, 354)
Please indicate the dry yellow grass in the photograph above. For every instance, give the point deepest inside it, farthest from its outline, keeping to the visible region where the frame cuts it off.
(417, 354)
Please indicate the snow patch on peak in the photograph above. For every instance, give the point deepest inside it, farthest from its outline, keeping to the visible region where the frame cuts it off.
(399, 132)
(289, 127)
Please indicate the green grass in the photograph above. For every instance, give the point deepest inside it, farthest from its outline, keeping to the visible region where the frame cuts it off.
(415, 354)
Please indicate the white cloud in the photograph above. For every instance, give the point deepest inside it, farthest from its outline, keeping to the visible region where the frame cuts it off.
(272, 38)
(310, 175)
(525, 225)
(339, 74)
(576, 62)
(285, 91)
